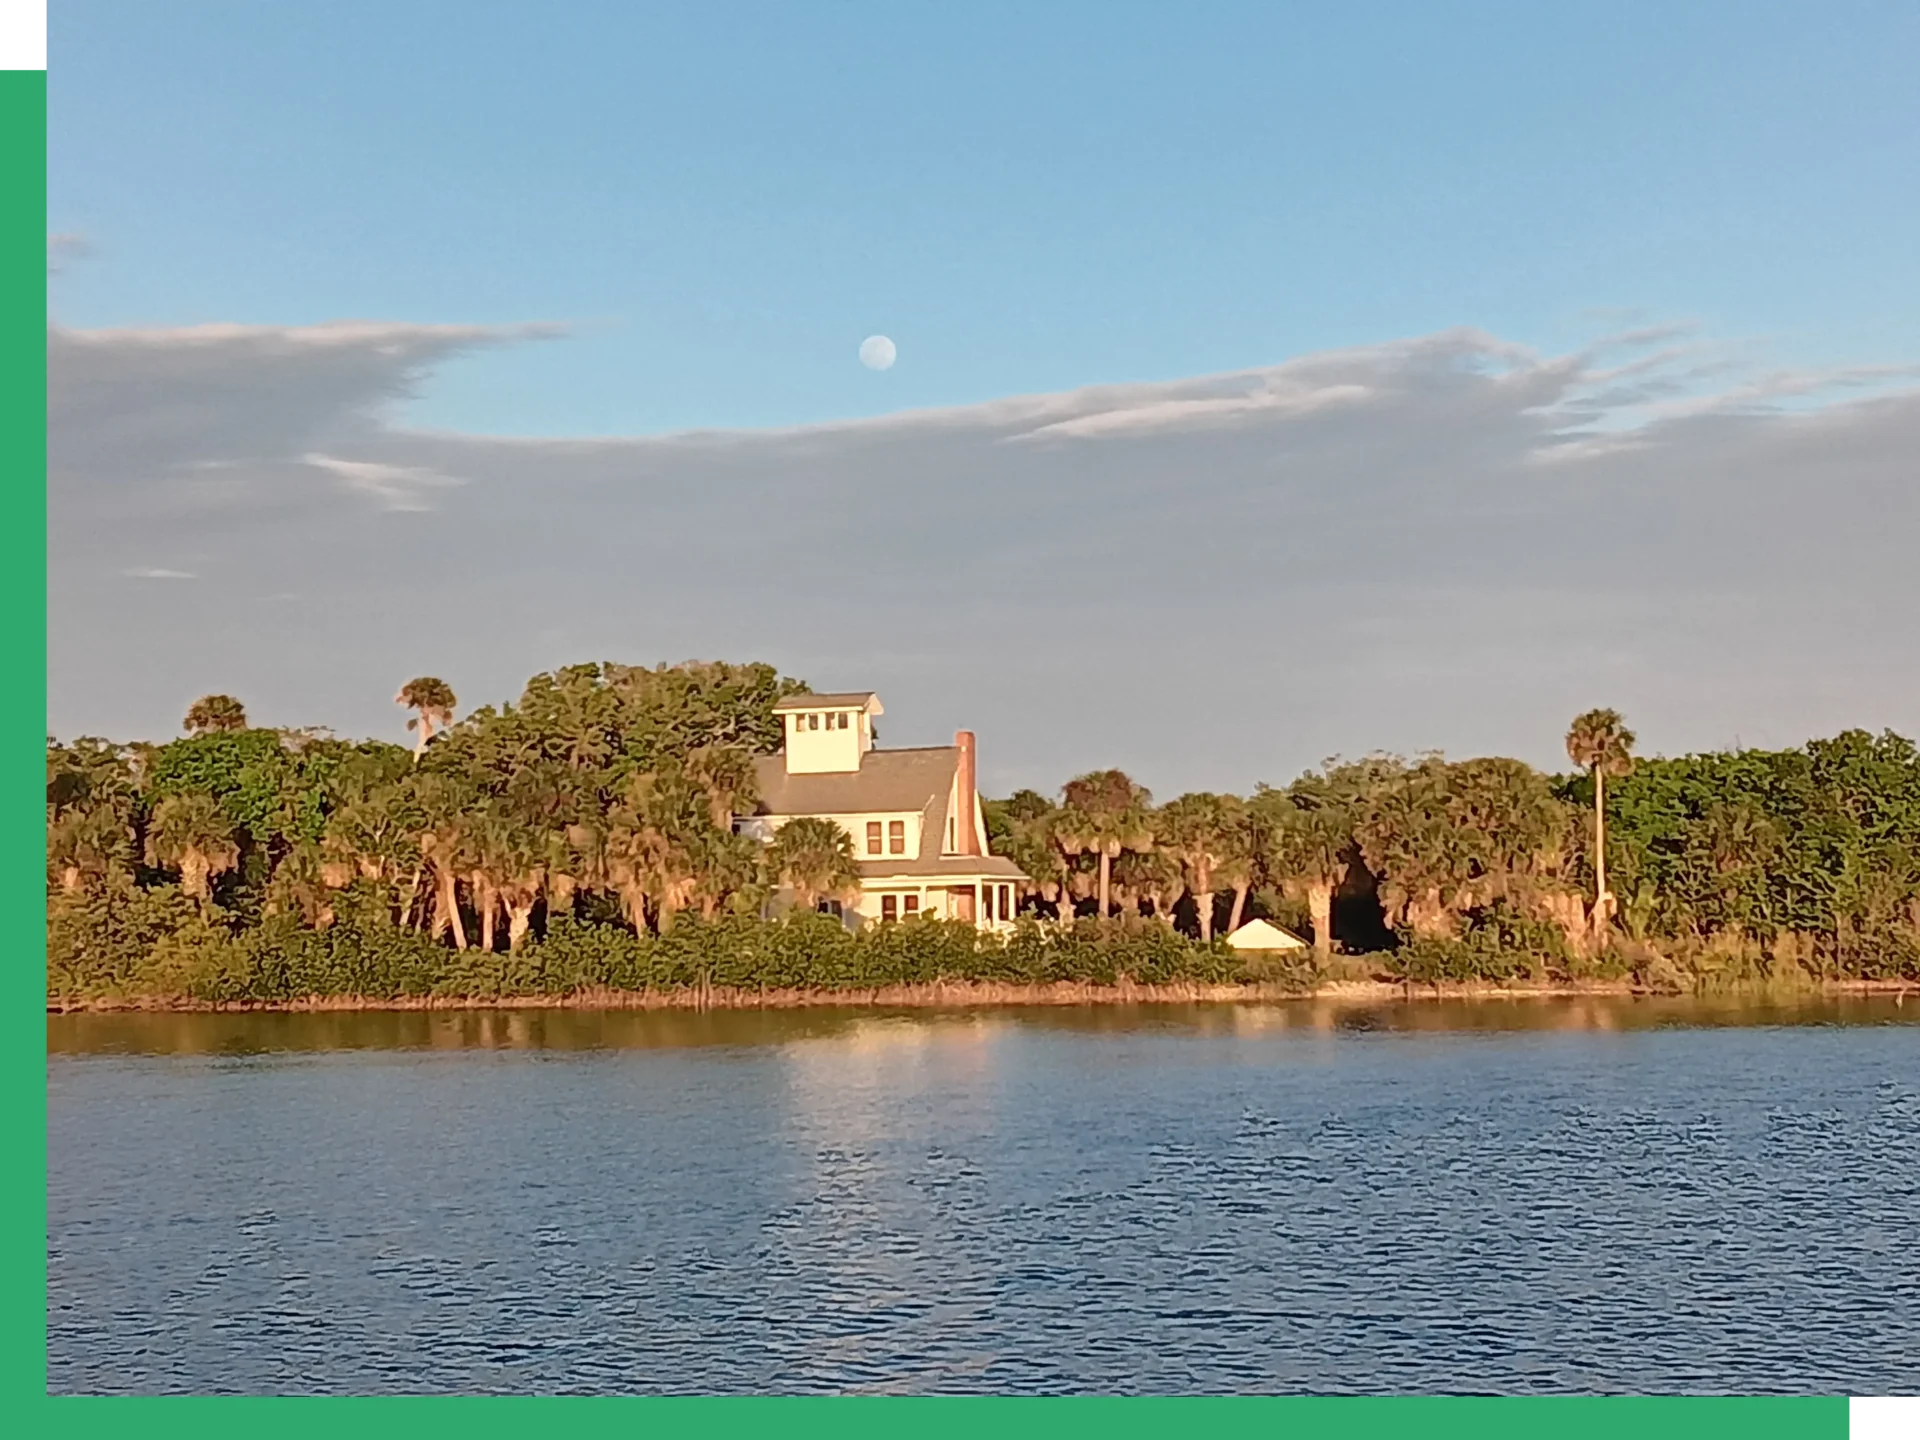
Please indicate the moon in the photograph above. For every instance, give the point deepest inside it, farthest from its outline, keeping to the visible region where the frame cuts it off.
(877, 352)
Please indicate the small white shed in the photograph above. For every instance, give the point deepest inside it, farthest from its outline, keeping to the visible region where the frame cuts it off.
(1263, 935)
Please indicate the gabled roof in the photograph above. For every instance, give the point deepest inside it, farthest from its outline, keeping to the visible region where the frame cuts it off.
(886, 780)
(841, 700)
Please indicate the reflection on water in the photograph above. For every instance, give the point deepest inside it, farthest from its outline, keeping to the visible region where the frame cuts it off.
(243, 1033)
(1600, 1194)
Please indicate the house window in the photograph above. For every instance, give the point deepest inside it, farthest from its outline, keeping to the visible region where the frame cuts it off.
(889, 908)
(896, 837)
(840, 721)
(813, 722)
(873, 837)
(1006, 901)
(912, 904)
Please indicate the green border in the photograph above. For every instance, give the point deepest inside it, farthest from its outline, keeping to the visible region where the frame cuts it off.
(23, 425)
(23, 596)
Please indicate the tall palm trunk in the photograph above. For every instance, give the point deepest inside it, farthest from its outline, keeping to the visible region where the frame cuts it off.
(194, 872)
(486, 900)
(1239, 907)
(1106, 881)
(446, 909)
(1320, 905)
(1599, 853)
(1203, 912)
(519, 918)
(406, 905)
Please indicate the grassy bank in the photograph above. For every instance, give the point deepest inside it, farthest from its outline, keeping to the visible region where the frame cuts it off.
(115, 956)
(958, 994)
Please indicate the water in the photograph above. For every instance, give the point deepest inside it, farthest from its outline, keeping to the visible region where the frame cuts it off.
(1555, 1196)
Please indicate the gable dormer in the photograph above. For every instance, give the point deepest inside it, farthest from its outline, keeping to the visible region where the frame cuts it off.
(826, 734)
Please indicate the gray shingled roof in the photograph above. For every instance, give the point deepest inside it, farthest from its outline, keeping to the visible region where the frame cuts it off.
(887, 780)
(840, 701)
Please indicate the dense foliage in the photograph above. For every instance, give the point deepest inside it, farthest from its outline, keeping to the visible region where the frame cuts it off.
(582, 839)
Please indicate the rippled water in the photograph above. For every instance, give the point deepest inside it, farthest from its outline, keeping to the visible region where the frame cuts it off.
(1591, 1196)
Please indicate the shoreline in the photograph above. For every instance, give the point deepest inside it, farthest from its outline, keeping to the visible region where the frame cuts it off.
(964, 994)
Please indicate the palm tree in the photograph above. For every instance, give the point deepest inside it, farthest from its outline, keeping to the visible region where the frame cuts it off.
(1025, 823)
(1306, 838)
(192, 834)
(814, 859)
(215, 714)
(1104, 813)
(301, 882)
(443, 808)
(1204, 832)
(432, 701)
(90, 812)
(1600, 743)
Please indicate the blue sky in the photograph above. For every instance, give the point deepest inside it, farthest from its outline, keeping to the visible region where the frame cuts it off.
(1305, 302)
(723, 200)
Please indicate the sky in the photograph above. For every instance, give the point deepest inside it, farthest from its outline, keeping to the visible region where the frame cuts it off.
(1273, 381)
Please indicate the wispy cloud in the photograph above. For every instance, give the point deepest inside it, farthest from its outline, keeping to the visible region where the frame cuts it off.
(397, 487)
(149, 572)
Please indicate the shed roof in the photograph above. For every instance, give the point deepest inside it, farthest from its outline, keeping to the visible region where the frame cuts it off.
(1264, 935)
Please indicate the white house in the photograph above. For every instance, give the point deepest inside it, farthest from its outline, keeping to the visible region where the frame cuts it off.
(914, 814)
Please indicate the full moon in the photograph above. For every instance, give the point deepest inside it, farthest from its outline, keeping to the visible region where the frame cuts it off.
(877, 352)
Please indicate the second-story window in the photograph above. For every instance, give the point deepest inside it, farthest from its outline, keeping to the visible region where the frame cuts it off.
(840, 721)
(896, 837)
(813, 722)
(873, 837)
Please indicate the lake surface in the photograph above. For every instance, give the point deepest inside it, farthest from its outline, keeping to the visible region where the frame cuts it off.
(1593, 1195)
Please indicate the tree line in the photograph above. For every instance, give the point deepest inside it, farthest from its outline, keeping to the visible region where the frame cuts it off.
(598, 810)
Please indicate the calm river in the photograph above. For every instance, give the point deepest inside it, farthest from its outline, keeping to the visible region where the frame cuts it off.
(1502, 1197)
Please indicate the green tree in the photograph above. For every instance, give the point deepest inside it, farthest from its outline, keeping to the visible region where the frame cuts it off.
(192, 835)
(1600, 743)
(215, 715)
(814, 859)
(92, 804)
(1207, 835)
(432, 701)
(1306, 843)
(1104, 812)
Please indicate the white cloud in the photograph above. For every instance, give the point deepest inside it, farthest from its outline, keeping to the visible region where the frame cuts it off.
(153, 573)
(397, 487)
(1214, 580)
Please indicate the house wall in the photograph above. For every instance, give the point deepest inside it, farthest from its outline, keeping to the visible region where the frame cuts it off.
(935, 898)
(911, 823)
(827, 742)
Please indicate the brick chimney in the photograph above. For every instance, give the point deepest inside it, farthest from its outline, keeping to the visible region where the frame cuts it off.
(966, 838)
